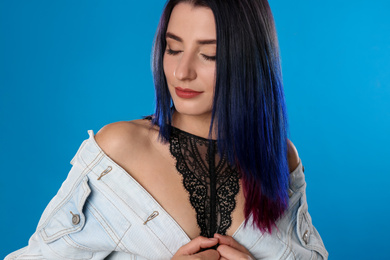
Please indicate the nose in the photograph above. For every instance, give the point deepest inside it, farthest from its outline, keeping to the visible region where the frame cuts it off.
(185, 69)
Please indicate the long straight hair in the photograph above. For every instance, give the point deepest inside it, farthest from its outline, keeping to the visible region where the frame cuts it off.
(249, 108)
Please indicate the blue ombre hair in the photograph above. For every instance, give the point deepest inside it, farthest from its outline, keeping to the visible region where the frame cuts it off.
(249, 108)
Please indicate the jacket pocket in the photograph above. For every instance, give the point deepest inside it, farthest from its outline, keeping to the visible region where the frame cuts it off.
(307, 233)
(69, 216)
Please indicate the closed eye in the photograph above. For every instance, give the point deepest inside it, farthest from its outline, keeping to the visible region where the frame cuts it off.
(210, 58)
(206, 57)
(172, 52)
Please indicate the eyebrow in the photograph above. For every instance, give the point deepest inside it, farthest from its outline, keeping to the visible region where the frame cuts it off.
(177, 38)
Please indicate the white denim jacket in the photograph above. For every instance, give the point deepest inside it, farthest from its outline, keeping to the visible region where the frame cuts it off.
(101, 212)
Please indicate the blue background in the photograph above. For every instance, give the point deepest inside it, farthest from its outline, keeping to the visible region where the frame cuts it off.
(70, 66)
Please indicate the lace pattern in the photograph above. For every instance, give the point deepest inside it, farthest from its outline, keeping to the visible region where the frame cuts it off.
(211, 182)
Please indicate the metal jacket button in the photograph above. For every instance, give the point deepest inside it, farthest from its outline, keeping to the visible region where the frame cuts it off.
(75, 218)
(306, 236)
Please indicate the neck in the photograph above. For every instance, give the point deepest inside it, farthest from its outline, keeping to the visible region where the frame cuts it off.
(195, 124)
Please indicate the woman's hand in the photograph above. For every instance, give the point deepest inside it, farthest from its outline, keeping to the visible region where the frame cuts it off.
(191, 250)
(230, 249)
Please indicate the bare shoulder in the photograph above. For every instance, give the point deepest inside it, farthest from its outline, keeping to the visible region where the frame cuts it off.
(124, 138)
(292, 156)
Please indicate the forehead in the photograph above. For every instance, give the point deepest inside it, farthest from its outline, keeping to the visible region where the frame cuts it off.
(192, 22)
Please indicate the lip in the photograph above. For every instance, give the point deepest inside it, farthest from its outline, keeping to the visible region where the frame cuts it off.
(186, 92)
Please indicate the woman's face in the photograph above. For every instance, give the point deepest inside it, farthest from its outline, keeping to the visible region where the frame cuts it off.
(189, 59)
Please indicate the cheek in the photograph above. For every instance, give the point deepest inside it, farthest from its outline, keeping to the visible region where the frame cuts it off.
(210, 77)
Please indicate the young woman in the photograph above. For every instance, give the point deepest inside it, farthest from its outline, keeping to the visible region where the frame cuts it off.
(210, 175)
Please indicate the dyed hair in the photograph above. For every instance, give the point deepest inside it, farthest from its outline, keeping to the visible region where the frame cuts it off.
(249, 109)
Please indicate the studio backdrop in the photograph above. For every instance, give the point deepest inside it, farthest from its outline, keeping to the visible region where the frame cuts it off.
(71, 66)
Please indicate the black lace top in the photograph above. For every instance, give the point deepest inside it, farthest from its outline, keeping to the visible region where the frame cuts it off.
(211, 182)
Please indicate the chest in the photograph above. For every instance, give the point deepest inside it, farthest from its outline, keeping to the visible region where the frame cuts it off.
(182, 195)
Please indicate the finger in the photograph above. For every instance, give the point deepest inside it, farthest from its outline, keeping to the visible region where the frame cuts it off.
(228, 252)
(209, 254)
(229, 241)
(197, 244)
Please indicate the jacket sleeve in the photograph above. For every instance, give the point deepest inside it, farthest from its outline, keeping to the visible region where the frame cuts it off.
(63, 218)
(305, 241)
(294, 236)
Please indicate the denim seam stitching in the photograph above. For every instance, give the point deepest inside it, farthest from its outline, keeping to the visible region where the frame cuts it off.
(138, 217)
(67, 197)
(290, 231)
(120, 240)
(75, 245)
(55, 253)
(287, 250)
(116, 240)
(102, 193)
(67, 229)
(257, 240)
(108, 233)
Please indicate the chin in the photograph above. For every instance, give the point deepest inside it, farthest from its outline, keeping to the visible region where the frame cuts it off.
(193, 109)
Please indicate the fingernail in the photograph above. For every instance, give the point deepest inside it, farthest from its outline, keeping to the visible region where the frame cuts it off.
(213, 239)
(217, 235)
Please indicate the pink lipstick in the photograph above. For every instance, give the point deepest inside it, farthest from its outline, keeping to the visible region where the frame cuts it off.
(186, 92)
